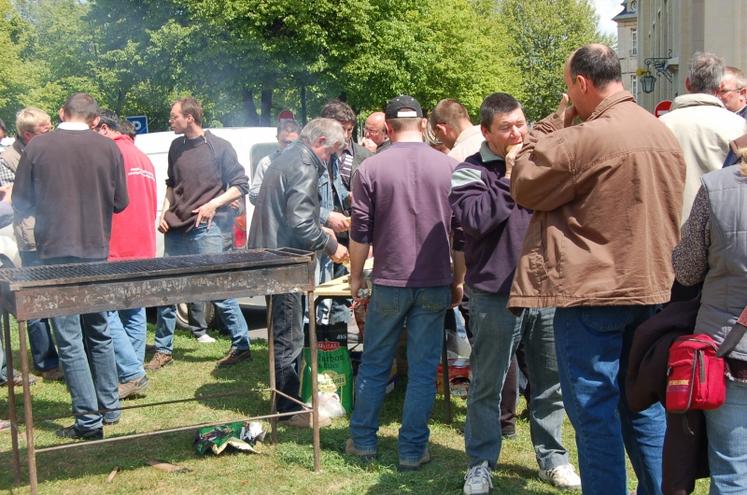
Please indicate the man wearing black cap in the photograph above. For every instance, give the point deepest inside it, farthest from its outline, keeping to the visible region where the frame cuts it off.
(401, 208)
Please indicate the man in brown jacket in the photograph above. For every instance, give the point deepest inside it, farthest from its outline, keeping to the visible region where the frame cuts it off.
(607, 195)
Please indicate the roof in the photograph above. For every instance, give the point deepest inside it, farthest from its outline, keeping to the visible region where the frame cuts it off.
(626, 14)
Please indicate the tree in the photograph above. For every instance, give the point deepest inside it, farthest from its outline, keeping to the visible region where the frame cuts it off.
(370, 51)
(17, 77)
(543, 35)
(246, 59)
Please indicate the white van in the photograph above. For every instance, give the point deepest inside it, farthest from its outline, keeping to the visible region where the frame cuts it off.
(251, 145)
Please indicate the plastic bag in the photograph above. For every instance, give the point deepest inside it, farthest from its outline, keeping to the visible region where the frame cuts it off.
(335, 374)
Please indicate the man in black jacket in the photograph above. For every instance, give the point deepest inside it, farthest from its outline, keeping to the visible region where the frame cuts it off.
(287, 215)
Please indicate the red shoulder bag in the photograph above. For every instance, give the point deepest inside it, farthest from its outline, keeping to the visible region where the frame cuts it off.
(696, 369)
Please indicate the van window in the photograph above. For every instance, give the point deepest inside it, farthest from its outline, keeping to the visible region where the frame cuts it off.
(259, 151)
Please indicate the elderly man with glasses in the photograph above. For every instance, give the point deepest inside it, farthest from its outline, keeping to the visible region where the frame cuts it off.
(733, 91)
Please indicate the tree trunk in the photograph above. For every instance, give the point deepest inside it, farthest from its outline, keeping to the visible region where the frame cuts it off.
(303, 104)
(265, 118)
(252, 119)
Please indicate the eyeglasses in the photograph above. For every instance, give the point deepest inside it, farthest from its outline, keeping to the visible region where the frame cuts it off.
(724, 91)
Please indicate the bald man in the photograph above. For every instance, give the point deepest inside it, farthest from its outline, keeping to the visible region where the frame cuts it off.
(374, 132)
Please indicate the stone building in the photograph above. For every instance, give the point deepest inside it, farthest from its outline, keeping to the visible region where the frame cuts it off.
(668, 33)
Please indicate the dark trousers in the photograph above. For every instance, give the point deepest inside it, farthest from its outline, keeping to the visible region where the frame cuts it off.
(43, 351)
(287, 326)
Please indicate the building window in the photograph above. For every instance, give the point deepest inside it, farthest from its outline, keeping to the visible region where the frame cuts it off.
(634, 85)
(634, 41)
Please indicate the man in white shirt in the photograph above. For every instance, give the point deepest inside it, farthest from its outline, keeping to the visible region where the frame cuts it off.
(452, 126)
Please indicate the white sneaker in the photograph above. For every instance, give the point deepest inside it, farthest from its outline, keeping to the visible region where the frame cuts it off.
(205, 339)
(477, 481)
(561, 477)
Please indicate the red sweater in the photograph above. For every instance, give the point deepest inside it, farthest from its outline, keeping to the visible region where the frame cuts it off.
(133, 230)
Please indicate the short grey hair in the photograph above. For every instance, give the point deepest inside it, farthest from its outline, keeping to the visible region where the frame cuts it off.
(737, 75)
(330, 129)
(706, 72)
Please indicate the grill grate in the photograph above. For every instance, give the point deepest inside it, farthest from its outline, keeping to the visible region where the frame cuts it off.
(157, 267)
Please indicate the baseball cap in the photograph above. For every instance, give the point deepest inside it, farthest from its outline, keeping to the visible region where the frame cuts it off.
(403, 107)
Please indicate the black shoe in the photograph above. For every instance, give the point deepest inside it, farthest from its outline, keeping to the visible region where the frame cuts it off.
(75, 434)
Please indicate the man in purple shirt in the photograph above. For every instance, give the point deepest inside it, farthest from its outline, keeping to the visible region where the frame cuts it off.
(401, 208)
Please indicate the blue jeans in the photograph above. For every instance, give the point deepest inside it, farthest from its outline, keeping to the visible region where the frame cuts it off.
(727, 442)
(496, 335)
(546, 411)
(592, 346)
(43, 351)
(128, 329)
(335, 310)
(87, 356)
(423, 310)
(199, 240)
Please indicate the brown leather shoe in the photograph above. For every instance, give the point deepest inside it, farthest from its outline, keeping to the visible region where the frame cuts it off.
(235, 356)
(18, 379)
(304, 421)
(53, 375)
(159, 360)
(133, 388)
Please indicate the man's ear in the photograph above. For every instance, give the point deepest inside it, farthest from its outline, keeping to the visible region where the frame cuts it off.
(388, 128)
(94, 122)
(687, 84)
(583, 83)
(61, 114)
(484, 131)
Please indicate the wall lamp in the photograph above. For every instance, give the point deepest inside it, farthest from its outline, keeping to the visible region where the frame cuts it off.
(659, 65)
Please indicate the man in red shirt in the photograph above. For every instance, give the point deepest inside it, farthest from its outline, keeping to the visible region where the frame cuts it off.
(133, 237)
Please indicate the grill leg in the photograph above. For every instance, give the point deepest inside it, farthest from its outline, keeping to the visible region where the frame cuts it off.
(12, 416)
(314, 377)
(28, 416)
(445, 379)
(273, 383)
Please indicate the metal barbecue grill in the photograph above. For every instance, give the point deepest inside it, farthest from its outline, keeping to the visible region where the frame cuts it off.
(56, 290)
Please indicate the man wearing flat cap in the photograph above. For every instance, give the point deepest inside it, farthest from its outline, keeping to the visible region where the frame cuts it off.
(401, 208)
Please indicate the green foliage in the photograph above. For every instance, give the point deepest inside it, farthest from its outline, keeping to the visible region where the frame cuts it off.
(369, 52)
(543, 35)
(248, 59)
(17, 76)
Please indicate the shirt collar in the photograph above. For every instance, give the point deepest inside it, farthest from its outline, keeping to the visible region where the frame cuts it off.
(487, 154)
(73, 126)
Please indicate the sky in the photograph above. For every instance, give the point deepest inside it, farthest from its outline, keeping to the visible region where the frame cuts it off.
(607, 9)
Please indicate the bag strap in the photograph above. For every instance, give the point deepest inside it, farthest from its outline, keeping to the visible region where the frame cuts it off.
(734, 336)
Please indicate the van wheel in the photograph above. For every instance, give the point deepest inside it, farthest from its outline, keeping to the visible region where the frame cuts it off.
(182, 319)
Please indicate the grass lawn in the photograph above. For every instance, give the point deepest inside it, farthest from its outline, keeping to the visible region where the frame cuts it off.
(283, 468)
